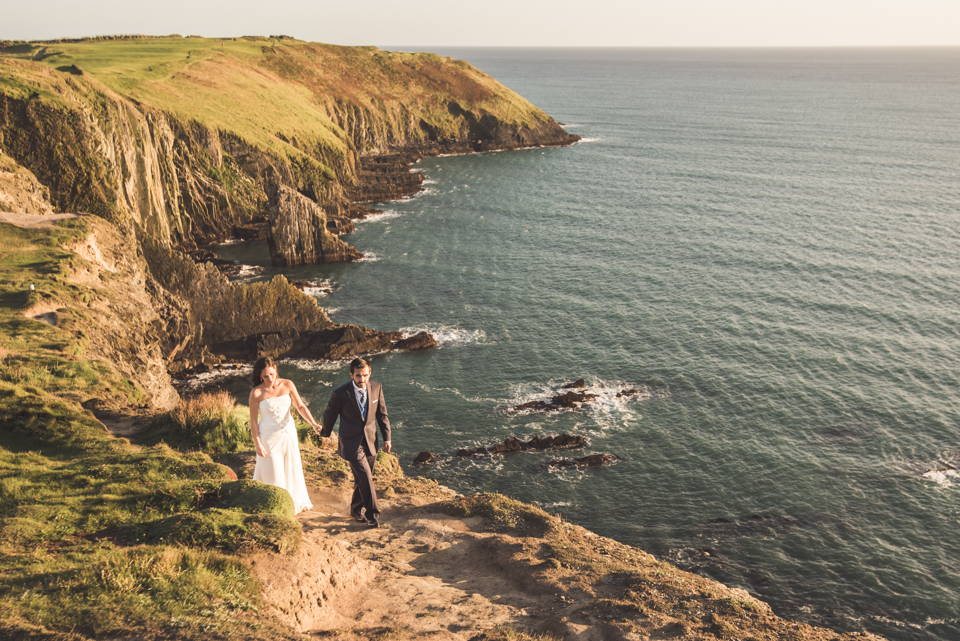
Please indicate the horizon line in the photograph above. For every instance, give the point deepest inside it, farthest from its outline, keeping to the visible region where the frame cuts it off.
(121, 36)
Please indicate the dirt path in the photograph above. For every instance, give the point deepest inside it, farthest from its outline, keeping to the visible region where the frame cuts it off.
(421, 574)
(32, 220)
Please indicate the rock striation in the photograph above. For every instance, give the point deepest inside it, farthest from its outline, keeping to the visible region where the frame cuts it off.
(298, 233)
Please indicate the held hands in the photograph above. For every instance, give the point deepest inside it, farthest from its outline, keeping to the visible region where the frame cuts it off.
(316, 429)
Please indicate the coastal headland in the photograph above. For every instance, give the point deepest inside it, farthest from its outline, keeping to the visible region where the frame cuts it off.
(126, 510)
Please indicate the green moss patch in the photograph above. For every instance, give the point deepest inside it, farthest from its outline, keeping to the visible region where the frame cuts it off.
(230, 530)
(503, 514)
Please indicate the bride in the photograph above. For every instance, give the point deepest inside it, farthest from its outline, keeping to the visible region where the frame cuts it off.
(274, 432)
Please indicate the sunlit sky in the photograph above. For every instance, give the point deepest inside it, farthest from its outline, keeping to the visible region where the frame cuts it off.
(537, 23)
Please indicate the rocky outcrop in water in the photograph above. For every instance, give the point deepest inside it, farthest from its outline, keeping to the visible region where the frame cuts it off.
(567, 400)
(298, 232)
(338, 342)
(420, 341)
(513, 444)
(592, 460)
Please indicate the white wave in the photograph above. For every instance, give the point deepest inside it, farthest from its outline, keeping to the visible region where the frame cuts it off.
(376, 218)
(454, 391)
(319, 288)
(947, 477)
(217, 372)
(369, 257)
(909, 624)
(609, 396)
(332, 310)
(231, 241)
(429, 181)
(571, 125)
(422, 192)
(446, 335)
(583, 140)
(249, 270)
(317, 366)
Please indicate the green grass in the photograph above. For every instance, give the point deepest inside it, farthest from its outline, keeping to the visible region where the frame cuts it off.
(209, 421)
(275, 94)
(98, 536)
(503, 514)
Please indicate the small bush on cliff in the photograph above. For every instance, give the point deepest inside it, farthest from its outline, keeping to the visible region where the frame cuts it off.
(209, 421)
(502, 514)
(226, 529)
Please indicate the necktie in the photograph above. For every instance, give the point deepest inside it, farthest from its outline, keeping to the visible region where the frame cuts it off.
(363, 403)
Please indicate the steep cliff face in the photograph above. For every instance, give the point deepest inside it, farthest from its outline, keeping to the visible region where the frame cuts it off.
(20, 191)
(182, 138)
(181, 142)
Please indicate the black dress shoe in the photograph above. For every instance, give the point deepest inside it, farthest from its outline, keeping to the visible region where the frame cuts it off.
(373, 521)
(358, 516)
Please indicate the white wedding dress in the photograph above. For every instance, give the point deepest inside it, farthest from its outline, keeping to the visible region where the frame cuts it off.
(281, 466)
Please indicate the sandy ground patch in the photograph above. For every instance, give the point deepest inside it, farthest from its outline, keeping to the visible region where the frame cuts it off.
(421, 574)
(33, 220)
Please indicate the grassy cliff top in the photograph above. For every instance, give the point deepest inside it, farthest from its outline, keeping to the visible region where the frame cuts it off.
(259, 87)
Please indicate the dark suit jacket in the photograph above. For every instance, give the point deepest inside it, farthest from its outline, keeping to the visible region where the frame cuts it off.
(355, 432)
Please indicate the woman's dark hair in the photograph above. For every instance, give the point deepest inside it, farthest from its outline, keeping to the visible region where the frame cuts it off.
(259, 366)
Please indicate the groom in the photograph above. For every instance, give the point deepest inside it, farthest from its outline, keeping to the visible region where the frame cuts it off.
(360, 407)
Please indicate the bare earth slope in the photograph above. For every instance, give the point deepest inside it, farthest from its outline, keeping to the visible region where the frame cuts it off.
(469, 568)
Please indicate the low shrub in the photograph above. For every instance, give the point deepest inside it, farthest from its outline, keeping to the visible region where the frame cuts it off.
(209, 421)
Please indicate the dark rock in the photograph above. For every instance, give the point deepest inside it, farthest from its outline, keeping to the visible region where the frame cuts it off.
(592, 460)
(628, 392)
(346, 341)
(567, 441)
(252, 231)
(424, 457)
(513, 444)
(423, 340)
(303, 285)
(532, 405)
(338, 225)
(509, 445)
(572, 400)
(567, 400)
(386, 177)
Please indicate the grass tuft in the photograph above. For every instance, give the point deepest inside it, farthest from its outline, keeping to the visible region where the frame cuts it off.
(503, 514)
(209, 421)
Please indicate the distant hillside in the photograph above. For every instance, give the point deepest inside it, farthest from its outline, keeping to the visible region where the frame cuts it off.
(181, 142)
(185, 136)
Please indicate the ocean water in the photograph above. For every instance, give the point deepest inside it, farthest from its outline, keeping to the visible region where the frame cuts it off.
(765, 244)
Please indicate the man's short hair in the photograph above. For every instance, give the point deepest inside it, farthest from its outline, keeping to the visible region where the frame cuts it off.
(358, 363)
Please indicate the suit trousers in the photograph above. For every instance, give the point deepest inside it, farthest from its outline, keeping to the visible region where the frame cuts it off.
(364, 493)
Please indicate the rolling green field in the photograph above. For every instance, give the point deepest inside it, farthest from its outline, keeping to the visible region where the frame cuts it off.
(258, 88)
